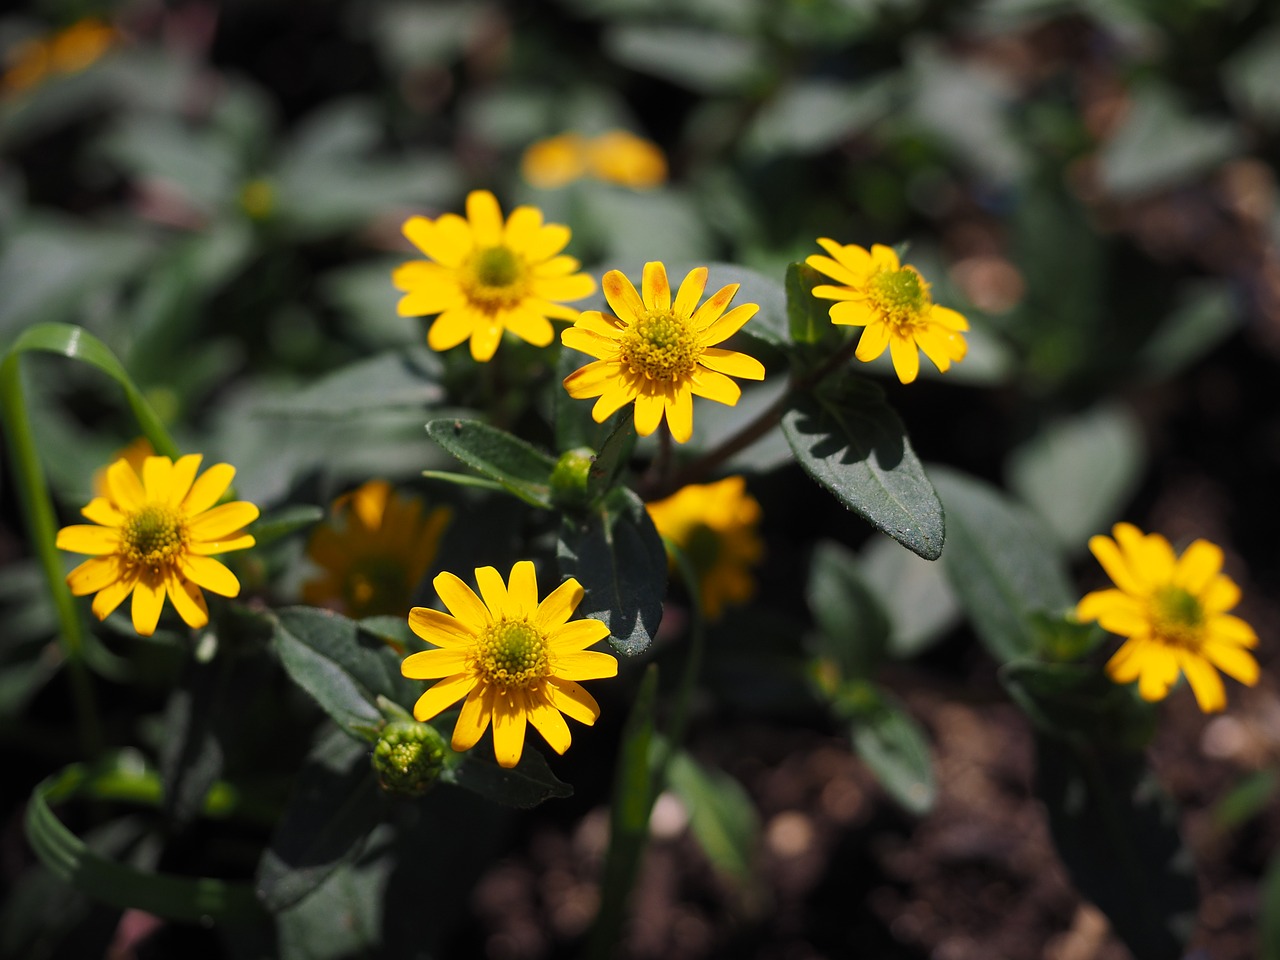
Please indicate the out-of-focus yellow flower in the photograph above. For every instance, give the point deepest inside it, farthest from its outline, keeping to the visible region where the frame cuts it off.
(258, 199)
(891, 301)
(157, 535)
(135, 454)
(374, 553)
(659, 353)
(67, 51)
(616, 156)
(517, 661)
(484, 276)
(627, 160)
(715, 524)
(1174, 612)
(555, 161)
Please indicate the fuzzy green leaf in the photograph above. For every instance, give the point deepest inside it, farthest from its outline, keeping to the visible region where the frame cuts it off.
(891, 743)
(520, 467)
(722, 817)
(853, 626)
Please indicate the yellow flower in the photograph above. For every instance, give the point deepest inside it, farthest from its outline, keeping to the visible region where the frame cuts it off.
(891, 301)
(1174, 612)
(68, 51)
(627, 160)
(516, 660)
(375, 553)
(157, 535)
(715, 525)
(555, 161)
(136, 452)
(658, 353)
(484, 276)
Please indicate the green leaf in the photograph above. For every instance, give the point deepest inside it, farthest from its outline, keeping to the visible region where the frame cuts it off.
(784, 124)
(808, 316)
(1205, 314)
(191, 754)
(891, 743)
(1250, 75)
(343, 917)
(702, 60)
(409, 377)
(1078, 703)
(1001, 563)
(771, 325)
(914, 593)
(527, 784)
(280, 523)
(334, 806)
(1116, 831)
(852, 442)
(183, 898)
(612, 459)
(854, 629)
(722, 817)
(616, 554)
(322, 653)
(520, 467)
(1249, 798)
(1269, 931)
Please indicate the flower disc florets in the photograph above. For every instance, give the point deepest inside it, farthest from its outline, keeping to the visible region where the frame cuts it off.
(513, 653)
(153, 535)
(408, 758)
(901, 295)
(494, 279)
(662, 347)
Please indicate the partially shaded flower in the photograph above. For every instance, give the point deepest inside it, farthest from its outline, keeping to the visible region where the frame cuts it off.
(715, 524)
(135, 452)
(658, 353)
(485, 275)
(156, 535)
(1173, 610)
(892, 302)
(374, 552)
(68, 51)
(517, 661)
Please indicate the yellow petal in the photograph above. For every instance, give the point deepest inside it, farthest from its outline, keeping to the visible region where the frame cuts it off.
(614, 398)
(451, 328)
(100, 510)
(148, 599)
(854, 313)
(509, 718)
(590, 342)
(187, 600)
(649, 410)
(940, 346)
(622, 296)
(485, 217)
(462, 602)
(1126, 663)
(906, 358)
(732, 363)
(440, 628)
(1159, 671)
(94, 574)
(593, 379)
(575, 636)
(222, 521)
(1220, 595)
(694, 283)
(530, 327)
(485, 339)
(1232, 629)
(1233, 660)
(826, 291)
(833, 269)
(715, 386)
(948, 318)
(210, 548)
(678, 406)
(183, 475)
(548, 241)
(208, 488)
(875, 337)
(493, 590)
(547, 720)
(124, 487)
(522, 591)
(572, 699)
(1108, 554)
(558, 606)
(423, 276)
(656, 288)
(112, 595)
(586, 665)
(1204, 680)
(1114, 604)
(444, 694)
(710, 312)
(434, 664)
(86, 538)
(522, 227)
(728, 325)
(427, 301)
(156, 472)
(1198, 564)
(884, 258)
(210, 574)
(473, 721)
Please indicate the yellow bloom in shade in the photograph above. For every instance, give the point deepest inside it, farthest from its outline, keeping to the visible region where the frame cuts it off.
(555, 161)
(155, 535)
(715, 525)
(891, 302)
(627, 160)
(485, 275)
(517, 661)
(1174, 612)
(659, 353)
(68, 51)
(374, 553)
(136, 452)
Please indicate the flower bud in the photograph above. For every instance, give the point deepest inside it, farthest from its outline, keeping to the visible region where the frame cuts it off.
(569, 478)
(408, 757)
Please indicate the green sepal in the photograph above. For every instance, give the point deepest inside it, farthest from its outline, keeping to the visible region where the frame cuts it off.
(521, 468)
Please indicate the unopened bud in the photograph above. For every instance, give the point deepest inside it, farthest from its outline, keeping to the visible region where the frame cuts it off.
(408, 757)
(569, 478)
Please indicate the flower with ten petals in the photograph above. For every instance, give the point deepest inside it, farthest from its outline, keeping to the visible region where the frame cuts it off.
(659, 353)
(715, 525)
(374, 553)
(484, 276)
(1174, 612)
(517, 661)
(157, 535)
(891, 302)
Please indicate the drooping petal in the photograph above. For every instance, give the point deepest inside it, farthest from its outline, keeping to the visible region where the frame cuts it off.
(87, 538)
(586, 665)
(948, 318)
(732, 363)
(187, 600)
(622, 296)
(223, 520)
(208, 488)
(575, 636)
(522, 591)
(875, 337)
(210, 574)
(493, 590)
(124, 487)
(715, 386)
(440, 628)
(510, 714)
(906, 358)
(434, 664)
(148, 600)
(473, 721)
(678, 406)
(656, 288)
(649, 410)
(558, 606)
(451, 328)
(691, 288)
(1233, 660)
(1204, 680)
(1126, 663)
(611, 401)
(93, 575)
(1159, 671)
(939, 345)
(530, 327)
(444, 694)
(462, 602)
(547, 720)
(485, 339)
(112, 595)
(572, 699)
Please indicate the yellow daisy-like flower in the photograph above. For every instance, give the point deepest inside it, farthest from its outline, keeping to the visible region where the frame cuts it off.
(136, 452)
(485, 276)
(629, 161)
(517, 661)
(715, 525)
(658, 353)
(1174, 612)
(65, 52)
(156, 535)
(891, 301)
(556, 161)
(375, 552)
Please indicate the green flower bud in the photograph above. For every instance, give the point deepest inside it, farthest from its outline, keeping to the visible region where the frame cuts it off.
(569, 478)
(408, 757)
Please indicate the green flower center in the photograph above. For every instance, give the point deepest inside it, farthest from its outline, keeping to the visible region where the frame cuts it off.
(513, 654)
(901, 296)
(661, 346)
(1177, 617)
(494, 278)
(154, 536)
(376, 585)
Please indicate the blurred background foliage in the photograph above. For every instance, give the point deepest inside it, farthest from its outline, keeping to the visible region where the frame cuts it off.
(216, 189)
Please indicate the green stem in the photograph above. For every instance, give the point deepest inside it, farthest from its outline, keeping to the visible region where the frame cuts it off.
(37, 508)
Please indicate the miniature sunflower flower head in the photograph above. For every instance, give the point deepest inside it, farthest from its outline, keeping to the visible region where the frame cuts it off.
(485, 275)
(1173, 610)
(659, 353)
(517, 661)
(891, 302)
(156, 535)
(715, 524)
(374, 552)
